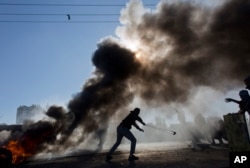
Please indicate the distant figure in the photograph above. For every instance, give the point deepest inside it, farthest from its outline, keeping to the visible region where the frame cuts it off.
(247, 82)
(244, 103)
(220, 132)
(124, 130)
(100, 134)
(199, 130)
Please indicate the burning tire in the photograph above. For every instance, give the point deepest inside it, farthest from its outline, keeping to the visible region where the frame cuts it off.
(5, 157)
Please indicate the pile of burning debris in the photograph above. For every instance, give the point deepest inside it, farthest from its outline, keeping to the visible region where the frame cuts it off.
(22, 144)
(25, 141)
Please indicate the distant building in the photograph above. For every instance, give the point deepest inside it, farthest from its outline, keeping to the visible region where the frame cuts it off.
(28, 113)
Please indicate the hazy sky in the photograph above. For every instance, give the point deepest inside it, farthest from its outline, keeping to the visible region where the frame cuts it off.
(47, 62)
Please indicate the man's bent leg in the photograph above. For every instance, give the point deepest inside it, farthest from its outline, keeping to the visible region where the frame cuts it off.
(118, 141)
(132, 138)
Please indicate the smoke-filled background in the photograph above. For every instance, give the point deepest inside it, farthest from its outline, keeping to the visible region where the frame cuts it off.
(180, 59)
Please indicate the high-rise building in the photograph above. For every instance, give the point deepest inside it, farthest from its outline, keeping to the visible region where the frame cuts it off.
(28, 113)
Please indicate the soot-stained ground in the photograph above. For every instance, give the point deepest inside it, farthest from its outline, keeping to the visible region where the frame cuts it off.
(151, 156)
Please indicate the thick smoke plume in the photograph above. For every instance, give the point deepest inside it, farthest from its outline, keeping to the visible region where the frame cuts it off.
(108, 91)
(185, 46)
(159, 57)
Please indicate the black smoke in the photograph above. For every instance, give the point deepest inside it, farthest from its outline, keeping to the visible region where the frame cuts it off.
(107, 92)
(188, 46)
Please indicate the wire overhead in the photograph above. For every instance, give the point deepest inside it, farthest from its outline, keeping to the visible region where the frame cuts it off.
(60, 14)
(36, 4)
(54, 21)
(68, 16)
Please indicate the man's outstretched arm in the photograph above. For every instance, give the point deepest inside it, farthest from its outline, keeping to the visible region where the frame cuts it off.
(140, 120)
(232, 100)
(136, 126)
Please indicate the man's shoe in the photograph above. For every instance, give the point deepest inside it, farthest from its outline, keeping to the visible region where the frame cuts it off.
(108, 158)
(132, 157)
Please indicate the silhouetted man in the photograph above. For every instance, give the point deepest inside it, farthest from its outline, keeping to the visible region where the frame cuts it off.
(124, 130)
(244, 103)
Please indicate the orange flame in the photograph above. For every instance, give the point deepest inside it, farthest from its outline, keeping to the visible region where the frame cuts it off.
(18, 152)
(29, 144)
